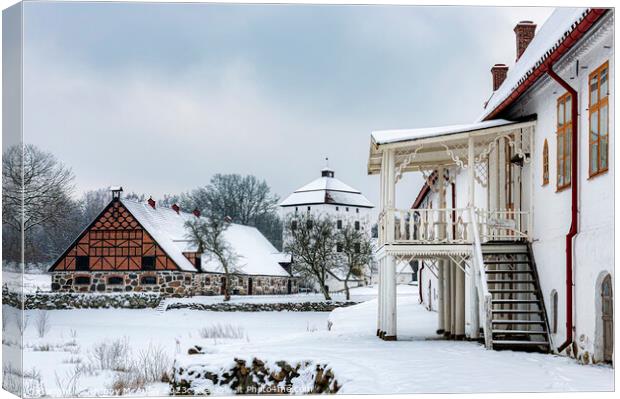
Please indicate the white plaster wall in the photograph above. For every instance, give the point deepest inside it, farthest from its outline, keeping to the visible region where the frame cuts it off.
(429, 297)
(593, 252)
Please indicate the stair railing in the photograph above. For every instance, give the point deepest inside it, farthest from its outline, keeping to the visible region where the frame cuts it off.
(484, 296)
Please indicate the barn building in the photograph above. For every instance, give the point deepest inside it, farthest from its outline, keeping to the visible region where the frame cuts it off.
(327, 195)
(513, 225)
(141, 247)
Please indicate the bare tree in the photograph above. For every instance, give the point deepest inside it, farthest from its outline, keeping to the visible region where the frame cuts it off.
(245, 199)
(356, 252)
(207, 234)
(311, 240)
(36, 192)
(93, 202)
(40, 180)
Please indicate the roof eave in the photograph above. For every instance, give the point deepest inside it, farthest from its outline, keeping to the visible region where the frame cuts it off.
(592, 16)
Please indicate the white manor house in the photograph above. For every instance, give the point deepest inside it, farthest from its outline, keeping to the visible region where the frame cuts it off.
(514, 225)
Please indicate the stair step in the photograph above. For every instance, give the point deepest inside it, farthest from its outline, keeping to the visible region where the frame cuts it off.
(508, 271)
(507, 291)
(516, 311)
(502, 281)
(533, 343)
(515, 301)
(527, 332)
(527, 322)
(507, 262)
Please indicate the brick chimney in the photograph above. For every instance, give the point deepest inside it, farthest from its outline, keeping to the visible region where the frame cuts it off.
(499, 72)
(176, 208)
(524, 32)
(151, 202)
(196, 212)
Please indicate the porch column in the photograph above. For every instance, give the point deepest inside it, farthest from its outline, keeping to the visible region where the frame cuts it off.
(460, 302)
(473, 300)
(447, 298)
(390, 276)
(440, 300)
(380, 300)
(471, 169)
(454, 299)
(391, 193)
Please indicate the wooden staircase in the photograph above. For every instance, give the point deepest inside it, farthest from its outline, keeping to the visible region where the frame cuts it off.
(518, 317)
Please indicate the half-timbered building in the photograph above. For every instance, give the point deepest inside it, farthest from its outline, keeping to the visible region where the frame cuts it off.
(514, 224)
(141, 247)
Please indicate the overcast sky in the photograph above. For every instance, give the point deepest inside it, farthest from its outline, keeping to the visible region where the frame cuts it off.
(159, 97)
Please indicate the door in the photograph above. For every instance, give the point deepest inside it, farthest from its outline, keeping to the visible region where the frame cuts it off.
(250, 288)
(223, 285)
(290, 286)
(608, 320)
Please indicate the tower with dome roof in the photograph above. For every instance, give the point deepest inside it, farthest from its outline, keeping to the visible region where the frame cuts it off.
(329, 196)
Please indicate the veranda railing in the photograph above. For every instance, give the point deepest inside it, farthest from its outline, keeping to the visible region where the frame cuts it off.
(451, 225)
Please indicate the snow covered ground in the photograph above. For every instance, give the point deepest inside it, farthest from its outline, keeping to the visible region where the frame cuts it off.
(418, 362)
(32, 282)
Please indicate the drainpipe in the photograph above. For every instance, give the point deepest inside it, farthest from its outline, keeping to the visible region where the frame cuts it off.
(574, 203)
(420, 282)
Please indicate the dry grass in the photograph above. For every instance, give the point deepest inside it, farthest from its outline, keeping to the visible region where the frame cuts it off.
(42, 323)
(112, 355)
(222, 331)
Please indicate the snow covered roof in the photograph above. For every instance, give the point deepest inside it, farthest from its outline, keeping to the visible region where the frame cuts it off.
(395, 136)
(257, 256)
(327, 190)
(557, 27)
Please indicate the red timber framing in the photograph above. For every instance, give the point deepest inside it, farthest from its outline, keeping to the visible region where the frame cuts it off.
(114, 241)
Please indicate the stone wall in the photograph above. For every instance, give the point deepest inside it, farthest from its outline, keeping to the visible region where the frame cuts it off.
(169, 283)
(66, 300)
(253, 377)
(264, 307)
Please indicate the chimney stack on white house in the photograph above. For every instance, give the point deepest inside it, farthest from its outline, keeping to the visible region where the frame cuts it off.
(151, 202)
(524, 32)
(499, 72)
(176, 208)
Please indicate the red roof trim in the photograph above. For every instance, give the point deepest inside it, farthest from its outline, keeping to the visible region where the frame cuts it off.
(551, 57)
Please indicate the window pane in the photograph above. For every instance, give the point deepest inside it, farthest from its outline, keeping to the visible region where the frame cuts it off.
(604, 83)
(594, 125)
(604, 124)
(560, 114)
(567, 109)
(604, 151)
(593, 157)
(560, 146)
(567, 170)
(594, 90)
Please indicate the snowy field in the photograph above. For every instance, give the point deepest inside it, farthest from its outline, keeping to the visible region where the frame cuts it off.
(418, 362)
(32, 282)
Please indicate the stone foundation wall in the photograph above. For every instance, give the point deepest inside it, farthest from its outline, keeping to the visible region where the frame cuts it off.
(169, 283)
